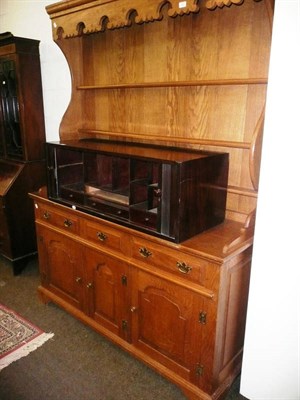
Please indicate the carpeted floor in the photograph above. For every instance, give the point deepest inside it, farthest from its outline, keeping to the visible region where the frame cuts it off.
(77, 363)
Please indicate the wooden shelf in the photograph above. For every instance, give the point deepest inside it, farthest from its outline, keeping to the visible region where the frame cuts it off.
(242, 191)
(144, 85)
(160, 138)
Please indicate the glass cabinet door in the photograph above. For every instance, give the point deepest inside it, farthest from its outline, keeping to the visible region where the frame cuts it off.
(10, 142)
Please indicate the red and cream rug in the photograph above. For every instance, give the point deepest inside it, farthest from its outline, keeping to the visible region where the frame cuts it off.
(18, 337)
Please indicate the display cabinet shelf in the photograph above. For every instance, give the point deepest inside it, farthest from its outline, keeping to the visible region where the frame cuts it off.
(133, 85)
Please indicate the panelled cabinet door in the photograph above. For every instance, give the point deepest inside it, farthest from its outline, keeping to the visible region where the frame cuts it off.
(60, 261)
(166, 325)
(108, 290)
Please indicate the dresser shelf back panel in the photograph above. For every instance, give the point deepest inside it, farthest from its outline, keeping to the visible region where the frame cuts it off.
(196, 80)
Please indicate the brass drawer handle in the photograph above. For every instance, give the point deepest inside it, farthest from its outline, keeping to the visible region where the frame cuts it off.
(46, 215)
(183, 267)
(68, 223)
(90, 285)
(101, 236)
(144, 252)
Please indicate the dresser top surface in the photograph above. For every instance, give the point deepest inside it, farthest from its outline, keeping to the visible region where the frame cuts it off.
(217, 244)
(138, 150)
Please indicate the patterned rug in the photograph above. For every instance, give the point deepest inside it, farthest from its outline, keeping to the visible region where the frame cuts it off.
(18, 337)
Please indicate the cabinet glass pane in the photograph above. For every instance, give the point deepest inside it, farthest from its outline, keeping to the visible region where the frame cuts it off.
(69, 171)
(9, 111)
(107, 178)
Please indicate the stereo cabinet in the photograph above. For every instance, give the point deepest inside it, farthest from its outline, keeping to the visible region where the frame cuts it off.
(168, 192)
(180, 308)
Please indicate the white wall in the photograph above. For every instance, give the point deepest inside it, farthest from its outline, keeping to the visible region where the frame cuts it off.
(271, 360)
(28, 18)
(271, 353)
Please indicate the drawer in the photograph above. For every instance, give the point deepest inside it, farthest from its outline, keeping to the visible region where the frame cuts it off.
(72, 195)
(104, 208)
(57, 218)
(103, 235)
(164, 258)
(144, 218)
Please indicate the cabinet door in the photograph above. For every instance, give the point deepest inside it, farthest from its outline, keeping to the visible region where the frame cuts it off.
(167, 326)
(60, 260)
(108, 292)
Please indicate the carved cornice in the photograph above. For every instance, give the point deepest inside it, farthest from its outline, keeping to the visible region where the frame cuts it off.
(76, 17)
(213, 4)
(71, 18)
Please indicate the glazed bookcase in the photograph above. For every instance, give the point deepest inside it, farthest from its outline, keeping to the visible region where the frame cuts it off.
(22, 139)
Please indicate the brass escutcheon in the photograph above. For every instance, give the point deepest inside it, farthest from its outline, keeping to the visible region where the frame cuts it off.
(67, 223)
(46, 215)
(101, 236)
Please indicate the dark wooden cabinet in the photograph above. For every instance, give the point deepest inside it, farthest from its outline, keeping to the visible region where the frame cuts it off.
(168, 192)
(22, 137)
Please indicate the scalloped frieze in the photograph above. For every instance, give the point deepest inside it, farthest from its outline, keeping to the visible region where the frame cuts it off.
(213, 4)
(79, 17)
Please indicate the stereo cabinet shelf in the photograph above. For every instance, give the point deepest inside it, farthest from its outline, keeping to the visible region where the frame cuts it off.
(167, 192)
